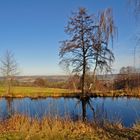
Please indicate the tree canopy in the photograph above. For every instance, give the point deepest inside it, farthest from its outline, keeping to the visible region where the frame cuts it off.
(87, 48)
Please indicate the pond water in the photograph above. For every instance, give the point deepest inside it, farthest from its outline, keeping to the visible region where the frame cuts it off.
(127, 110)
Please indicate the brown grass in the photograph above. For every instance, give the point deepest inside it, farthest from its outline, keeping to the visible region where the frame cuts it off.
(24, 128)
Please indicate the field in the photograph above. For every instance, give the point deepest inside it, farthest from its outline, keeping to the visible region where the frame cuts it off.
(35, 92)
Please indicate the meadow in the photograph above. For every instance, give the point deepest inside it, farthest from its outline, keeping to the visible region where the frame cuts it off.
(35, 92)
(42, 92)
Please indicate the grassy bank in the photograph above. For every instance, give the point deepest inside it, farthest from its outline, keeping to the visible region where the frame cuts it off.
(114, 93)
(118, 93)
(36, 92)
(25, 128)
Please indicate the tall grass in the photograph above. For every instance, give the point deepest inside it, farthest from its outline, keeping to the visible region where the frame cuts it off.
(25, 128)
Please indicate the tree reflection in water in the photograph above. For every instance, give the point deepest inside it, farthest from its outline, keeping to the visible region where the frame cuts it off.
(85, 102)
(9, 107)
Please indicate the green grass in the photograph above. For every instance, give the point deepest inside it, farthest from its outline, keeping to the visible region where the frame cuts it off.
(35, 92)
(24, 128)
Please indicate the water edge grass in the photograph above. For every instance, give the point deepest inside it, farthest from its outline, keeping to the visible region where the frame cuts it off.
(42, 92)
(25, 128)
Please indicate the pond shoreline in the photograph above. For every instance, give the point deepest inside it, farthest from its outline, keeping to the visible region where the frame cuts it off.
(23, 127)
(114, 94)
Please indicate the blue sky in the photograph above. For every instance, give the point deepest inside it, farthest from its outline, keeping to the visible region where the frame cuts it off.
(32, 29)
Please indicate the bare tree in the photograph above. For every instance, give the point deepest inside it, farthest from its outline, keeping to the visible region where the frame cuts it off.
(135, 4)
(87, 49)
(9, 69)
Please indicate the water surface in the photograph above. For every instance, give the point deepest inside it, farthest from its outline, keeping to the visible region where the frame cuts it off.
(125, 109)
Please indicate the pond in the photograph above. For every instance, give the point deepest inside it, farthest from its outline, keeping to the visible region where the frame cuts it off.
(126, 110)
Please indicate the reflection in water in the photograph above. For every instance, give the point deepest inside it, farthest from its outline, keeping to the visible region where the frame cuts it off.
(9, 106)
(76, 108)
(86, 101)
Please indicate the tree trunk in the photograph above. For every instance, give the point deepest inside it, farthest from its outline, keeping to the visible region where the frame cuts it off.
(9, 82)
(83, 81)
(94, 73)
(9, 87)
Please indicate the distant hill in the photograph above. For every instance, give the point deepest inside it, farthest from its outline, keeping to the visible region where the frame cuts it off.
(57, 78)
(53, 78)
(107, 77)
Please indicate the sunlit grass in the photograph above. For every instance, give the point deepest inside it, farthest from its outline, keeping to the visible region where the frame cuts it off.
(36, 92)
(22, 127)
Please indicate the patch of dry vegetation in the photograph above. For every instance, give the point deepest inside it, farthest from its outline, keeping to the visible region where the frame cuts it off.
(25, 128)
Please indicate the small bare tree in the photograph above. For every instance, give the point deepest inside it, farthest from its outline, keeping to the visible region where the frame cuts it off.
(9, 69)
(87, 47)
